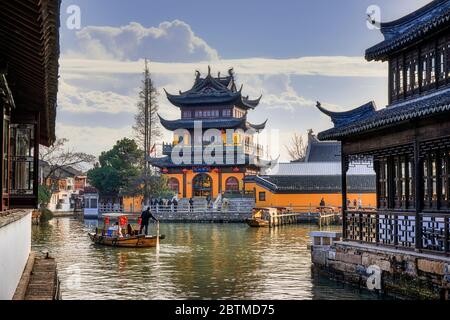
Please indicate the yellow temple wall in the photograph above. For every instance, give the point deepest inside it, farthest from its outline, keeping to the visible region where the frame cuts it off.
(190, 175)
(132, 204)
(307, 199)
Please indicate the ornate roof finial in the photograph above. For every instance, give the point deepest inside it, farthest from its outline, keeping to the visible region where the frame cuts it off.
(197, 74)
(209, 70)
(218, 74)
(231, 72)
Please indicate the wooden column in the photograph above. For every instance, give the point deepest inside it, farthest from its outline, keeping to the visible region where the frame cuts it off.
(220, 181)
(37, 134)
(418, 192)
(344, 168)
(377, 168)
(2, 164)
(184, 185)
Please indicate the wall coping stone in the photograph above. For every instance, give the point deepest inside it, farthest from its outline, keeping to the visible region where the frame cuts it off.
(8, 217)
(381, 249)
(326, 234)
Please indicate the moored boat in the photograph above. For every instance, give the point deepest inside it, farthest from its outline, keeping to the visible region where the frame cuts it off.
(257, 223)
(259, 218)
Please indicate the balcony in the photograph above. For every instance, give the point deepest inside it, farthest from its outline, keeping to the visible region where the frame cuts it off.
(398, 229)
(255, 150)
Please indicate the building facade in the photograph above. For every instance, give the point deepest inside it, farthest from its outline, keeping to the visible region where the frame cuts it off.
(409, 140)
(214, 146)
(29, 54)
(66, 184)
(305, 184)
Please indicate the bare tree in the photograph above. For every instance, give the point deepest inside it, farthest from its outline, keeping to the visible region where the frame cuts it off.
(146, 128)
(297, 148)
(58, 157)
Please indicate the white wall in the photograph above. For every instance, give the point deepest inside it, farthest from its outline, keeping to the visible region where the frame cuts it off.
(15, 246)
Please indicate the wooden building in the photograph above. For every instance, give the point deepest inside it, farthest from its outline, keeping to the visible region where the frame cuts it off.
(408, 140)
(29, 53)
(218, 157)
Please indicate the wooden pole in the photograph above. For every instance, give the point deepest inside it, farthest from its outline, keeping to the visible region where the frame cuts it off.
(344, 164)
(418, 192)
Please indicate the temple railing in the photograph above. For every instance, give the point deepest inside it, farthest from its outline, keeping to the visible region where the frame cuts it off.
(246, 148)
(398, 229)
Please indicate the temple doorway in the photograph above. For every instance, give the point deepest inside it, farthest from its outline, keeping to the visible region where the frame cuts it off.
(202, 186)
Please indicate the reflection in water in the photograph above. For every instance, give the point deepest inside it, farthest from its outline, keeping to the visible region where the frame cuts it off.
(195, 261)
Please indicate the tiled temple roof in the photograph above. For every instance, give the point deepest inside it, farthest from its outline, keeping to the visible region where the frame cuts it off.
(419, 107)
(210, 91)
(316, 169)
(314, 183)
(321, 151)
(411, 28)
(224, 123)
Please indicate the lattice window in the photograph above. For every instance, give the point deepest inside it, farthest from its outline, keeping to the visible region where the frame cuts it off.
(369, 227)
(434, 233)
(386, 229)
(353, 229)
(406, 231)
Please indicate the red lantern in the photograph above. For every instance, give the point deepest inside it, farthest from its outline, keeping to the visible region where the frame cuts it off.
(165, 170)
(185, 170)
(216, 170)
(107, 221)
(123, 221)
(236, 169)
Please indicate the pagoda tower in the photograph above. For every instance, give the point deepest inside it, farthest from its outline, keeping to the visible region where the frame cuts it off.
(214, 146)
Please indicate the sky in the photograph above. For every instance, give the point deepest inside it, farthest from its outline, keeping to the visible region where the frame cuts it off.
(294, 53)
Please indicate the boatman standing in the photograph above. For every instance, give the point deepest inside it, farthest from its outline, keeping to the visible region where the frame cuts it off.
(145, 218)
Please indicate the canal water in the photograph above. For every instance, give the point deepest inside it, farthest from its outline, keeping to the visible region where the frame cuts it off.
(195, 261)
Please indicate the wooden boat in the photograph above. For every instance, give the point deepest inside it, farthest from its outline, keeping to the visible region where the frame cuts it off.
(257, 223)
(131, 240)
(138, 241)
(257, 220)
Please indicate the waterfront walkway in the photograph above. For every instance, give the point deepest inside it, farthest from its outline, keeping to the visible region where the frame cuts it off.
(39, 280)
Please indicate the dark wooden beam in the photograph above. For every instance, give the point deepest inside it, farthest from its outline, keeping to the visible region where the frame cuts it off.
(418, 185)
(344, 169)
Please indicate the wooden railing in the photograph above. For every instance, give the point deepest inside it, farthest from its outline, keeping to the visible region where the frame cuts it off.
(398, 229)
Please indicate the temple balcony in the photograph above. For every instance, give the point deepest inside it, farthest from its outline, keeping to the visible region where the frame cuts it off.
(256, 150)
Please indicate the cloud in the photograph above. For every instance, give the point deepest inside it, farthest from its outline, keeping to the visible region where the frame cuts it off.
(73, 99)
(92, 140)
(100, 82)
(169, 42)
(331, 66)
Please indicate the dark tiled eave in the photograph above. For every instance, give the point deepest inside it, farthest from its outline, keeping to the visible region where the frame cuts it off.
(211, 91)
(313, 184)
(435, 16)
(29, 44)
(231, 123)
(166, 162)
(416, 108)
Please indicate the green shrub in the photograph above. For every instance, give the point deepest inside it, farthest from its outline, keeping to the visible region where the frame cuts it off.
(46, 215)
(44, 195)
